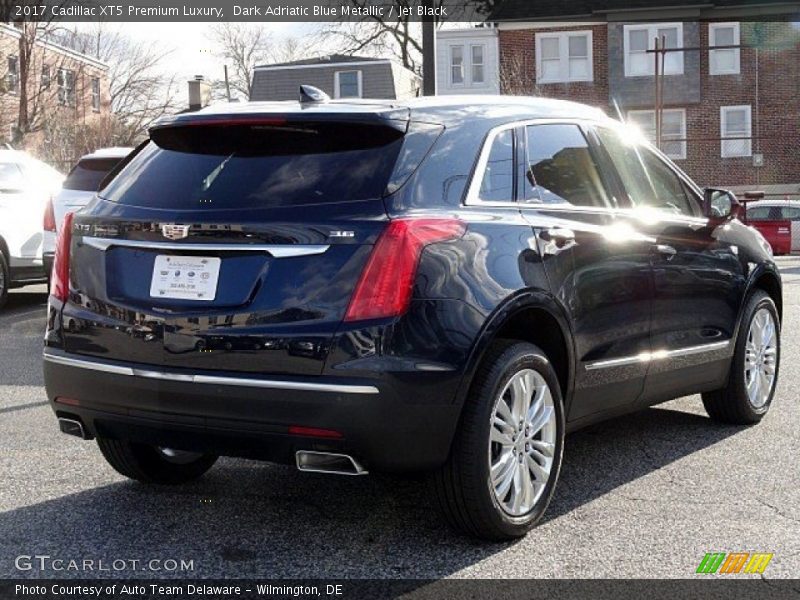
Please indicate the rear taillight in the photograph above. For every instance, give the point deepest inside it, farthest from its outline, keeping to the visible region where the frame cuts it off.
(59, 281)
(49, 217)
(384, 288)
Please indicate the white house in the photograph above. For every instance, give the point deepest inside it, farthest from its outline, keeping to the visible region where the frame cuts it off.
(467, 61)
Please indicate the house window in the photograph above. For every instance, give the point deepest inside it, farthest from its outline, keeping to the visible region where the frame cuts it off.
(66, 87)
(638, 39)
(726, 60)
(673, 129)
(736, 130)
(476, 69)
(456, 65)
(12, 76)
(348, 84)
(565, 56)
(45, 80)
(95, 94)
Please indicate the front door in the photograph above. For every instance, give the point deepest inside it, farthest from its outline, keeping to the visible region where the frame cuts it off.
(597, 264)
(698, 277)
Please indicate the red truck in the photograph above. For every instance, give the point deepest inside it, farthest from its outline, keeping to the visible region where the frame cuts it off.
(777, 220)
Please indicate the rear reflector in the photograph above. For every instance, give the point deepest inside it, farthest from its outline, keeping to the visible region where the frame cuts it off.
(314, 432)
(67, 401)
(49, 216)
(385, 286)
(59, 280)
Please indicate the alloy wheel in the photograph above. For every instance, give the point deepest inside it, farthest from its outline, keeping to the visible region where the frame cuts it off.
(760, 358)
(522, 442)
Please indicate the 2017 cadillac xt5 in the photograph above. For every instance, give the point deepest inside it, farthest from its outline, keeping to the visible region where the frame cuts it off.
(443, 285)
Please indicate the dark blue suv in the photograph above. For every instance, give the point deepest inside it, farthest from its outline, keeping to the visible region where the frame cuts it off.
(440, 285)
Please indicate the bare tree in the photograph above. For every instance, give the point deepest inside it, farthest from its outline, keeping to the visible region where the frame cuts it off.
(243, 46)
(32, 54)
(372, 34)
(140, 87)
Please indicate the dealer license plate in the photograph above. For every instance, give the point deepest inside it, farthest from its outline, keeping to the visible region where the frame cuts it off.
(185, 277)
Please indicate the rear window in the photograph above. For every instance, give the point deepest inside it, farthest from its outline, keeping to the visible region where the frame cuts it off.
(257, 166)
(88, 173)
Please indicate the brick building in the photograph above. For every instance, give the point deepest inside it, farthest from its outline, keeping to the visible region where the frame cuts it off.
(62, 85)
(731, 115)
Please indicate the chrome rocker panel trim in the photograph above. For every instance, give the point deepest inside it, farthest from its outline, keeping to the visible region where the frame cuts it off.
(646, 357)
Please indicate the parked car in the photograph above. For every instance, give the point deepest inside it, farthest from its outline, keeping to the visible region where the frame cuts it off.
(778, 221)
(25, 186)
(79, 187)
(446, 285)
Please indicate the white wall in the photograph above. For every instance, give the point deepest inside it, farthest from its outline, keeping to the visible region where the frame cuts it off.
(446, 38)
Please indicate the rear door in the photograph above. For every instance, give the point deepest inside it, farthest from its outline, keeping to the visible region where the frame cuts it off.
(597, 264)
(281, 216)
(699, 279)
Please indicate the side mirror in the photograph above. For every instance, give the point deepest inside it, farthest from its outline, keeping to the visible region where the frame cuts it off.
(721, 205)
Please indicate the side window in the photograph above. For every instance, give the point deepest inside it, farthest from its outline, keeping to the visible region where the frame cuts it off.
(790, 213)
(758, 213)
(648, 180)
(497, 183)
(560, 167)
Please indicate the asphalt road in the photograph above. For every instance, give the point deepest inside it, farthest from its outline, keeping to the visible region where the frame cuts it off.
(641, 496)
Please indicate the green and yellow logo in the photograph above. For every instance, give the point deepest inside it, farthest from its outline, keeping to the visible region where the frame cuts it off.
(735, 562)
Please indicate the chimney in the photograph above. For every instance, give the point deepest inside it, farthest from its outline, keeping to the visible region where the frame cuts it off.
(199, 93)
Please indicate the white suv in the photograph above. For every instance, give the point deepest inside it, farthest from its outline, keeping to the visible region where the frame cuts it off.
(79, 188)
(26, 184)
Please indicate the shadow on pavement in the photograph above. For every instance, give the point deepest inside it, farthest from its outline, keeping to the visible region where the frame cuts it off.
(249, 519)
(23, 300)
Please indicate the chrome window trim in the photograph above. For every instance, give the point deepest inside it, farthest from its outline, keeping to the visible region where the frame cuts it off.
(473, 190)
(278, 384)
(274, 250)
(647, 357)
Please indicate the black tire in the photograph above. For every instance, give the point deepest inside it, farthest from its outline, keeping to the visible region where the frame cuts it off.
(732, 404)
(462, 486)
(149, 465)
(5, 279)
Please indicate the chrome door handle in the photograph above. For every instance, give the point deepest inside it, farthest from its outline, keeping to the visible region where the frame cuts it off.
(557, 234)
(665, 250)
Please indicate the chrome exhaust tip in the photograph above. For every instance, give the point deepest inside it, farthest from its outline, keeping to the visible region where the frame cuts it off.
(72, 427)
(328, 462)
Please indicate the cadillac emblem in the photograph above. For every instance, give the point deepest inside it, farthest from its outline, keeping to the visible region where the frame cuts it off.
(174, 232)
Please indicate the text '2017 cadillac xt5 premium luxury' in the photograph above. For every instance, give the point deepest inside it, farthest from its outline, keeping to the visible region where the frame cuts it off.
(443, 285)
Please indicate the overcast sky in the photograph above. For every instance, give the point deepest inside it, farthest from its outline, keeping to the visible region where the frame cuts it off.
(193, 52)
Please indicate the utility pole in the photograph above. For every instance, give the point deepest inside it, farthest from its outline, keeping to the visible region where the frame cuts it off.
(228, 84)
(429, 50)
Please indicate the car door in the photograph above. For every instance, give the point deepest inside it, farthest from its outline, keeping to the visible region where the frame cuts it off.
(598, 265)
(698, 278)
(792, 213)
(21, 223)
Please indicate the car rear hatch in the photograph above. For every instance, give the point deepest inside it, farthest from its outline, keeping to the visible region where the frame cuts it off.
(234, 243)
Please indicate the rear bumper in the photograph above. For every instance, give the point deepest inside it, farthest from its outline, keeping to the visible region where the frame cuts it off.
(231, 414)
